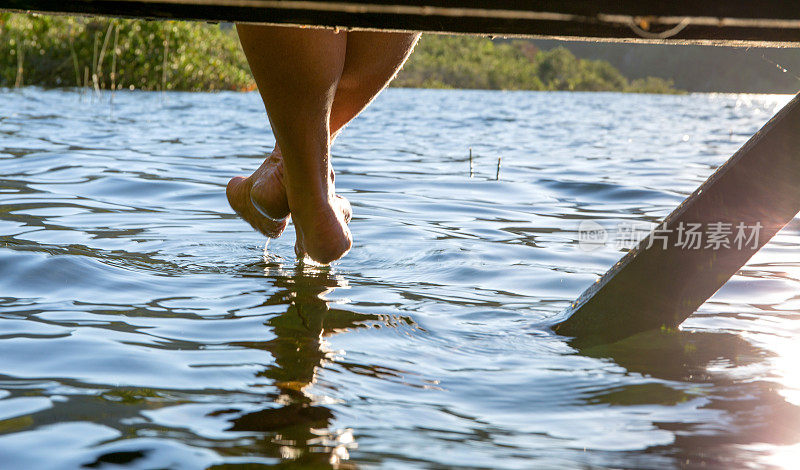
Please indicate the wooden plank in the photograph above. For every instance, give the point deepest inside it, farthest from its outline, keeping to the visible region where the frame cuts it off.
(732, 22)
(657, 286)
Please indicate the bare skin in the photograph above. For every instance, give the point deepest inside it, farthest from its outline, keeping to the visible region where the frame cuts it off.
(272, 215)
(328, 78)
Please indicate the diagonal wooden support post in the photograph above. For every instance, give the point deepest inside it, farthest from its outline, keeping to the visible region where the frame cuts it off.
(666, 278)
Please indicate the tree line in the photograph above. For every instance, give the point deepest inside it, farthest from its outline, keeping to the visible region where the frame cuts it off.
(444, 61)
(698, 68)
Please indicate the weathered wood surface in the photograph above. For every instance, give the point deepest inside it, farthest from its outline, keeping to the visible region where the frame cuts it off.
(657, 286)
(730, 22)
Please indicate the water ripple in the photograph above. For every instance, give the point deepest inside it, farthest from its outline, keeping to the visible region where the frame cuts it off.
(142, 324)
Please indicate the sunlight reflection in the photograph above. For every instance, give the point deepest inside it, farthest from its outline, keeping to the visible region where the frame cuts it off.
(306, 287)
(786, 367)
(777, 335)
(783, 457)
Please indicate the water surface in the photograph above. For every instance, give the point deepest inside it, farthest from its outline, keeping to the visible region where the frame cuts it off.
(143, 324)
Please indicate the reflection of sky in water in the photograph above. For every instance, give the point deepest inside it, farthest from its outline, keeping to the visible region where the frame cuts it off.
(141, 323)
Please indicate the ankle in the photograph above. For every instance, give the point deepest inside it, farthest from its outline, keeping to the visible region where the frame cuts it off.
(310, 201)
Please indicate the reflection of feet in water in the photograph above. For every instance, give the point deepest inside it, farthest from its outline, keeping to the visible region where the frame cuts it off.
(295, 423)
(297, 349)
(260, 199)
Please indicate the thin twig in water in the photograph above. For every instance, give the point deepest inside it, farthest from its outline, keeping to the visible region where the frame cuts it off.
(164, 64)
(85, 78)
(74, 58)
(470, 162)
(20, 65)
(497, 176)
(103, 53)
(114, 64)
(94, 65)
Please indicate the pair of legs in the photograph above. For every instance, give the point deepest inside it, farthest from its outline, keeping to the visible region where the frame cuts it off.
(313, 82)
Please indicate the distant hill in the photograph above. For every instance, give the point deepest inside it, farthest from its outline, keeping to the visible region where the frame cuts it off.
(697, 68)
(459, 61)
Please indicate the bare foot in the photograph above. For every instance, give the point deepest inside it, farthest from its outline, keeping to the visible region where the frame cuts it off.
(268, 193)
(322, 231)
(269, 215)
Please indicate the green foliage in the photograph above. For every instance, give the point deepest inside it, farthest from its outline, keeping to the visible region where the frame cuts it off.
(66, 51)
(650, 85)
(480, 63)
(468, 62)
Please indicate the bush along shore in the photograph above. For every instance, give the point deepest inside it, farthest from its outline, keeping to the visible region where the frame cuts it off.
(103, 53)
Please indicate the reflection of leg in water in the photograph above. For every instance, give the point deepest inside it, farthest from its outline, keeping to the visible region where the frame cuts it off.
(298, 351)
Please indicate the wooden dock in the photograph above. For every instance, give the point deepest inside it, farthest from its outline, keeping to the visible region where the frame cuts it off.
(675, 269)
(725, 22)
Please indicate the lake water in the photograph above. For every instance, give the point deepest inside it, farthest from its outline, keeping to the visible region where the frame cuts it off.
(143, 324)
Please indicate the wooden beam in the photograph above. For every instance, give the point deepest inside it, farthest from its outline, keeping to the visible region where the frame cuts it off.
(729, 22)
(664, 280)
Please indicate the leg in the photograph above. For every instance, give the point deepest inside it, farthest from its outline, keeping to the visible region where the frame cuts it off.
(371, 61)
(297, 72)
